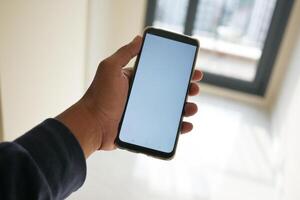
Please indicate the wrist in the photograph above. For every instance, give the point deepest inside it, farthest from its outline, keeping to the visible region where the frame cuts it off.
(84, 126)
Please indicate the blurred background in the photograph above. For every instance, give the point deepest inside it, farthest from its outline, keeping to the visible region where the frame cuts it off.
(245, 141)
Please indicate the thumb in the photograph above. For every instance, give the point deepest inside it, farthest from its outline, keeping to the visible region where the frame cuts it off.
(121, 57)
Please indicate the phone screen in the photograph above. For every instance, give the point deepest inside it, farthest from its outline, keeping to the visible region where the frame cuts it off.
(155, 103)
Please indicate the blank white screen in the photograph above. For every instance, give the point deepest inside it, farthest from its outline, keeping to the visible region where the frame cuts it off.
(157, 96)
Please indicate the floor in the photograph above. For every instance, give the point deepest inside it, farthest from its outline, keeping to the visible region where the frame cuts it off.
(228, 156)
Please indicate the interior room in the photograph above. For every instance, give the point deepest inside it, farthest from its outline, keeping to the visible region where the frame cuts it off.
(245, 140)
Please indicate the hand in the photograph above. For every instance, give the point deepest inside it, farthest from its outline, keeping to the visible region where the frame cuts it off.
(102, 105)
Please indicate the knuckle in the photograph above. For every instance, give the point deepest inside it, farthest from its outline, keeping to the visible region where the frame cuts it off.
(106, 62)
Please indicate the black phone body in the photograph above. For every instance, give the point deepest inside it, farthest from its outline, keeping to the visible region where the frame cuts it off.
(151, 120)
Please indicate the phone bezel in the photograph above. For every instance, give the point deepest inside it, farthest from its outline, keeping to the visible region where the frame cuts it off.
(140, 149)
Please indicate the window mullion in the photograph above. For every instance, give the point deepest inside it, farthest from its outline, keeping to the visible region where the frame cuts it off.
(190, 17)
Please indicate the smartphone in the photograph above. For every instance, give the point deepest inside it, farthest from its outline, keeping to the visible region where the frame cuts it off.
(154, 109)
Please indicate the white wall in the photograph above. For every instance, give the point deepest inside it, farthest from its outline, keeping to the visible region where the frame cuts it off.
(286, 127)
(50, 50)
(111, 24)
(42, 57)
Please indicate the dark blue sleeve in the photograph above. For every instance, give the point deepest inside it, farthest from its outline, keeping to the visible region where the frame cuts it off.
(45, 163)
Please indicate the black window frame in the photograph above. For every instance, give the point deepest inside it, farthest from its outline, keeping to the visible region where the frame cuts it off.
(267, 60)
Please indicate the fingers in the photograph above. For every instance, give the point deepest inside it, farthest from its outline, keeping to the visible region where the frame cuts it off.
(198, 75)
(194, 89)
(190, 109)
(186, 127)
(126, 53)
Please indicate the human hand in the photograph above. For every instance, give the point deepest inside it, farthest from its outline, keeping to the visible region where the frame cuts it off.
(105, 99)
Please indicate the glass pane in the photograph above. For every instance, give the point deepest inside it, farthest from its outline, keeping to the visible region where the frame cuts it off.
(232, 35)
(170, 14)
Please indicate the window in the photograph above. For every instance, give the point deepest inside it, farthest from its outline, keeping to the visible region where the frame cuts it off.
(239, 39)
